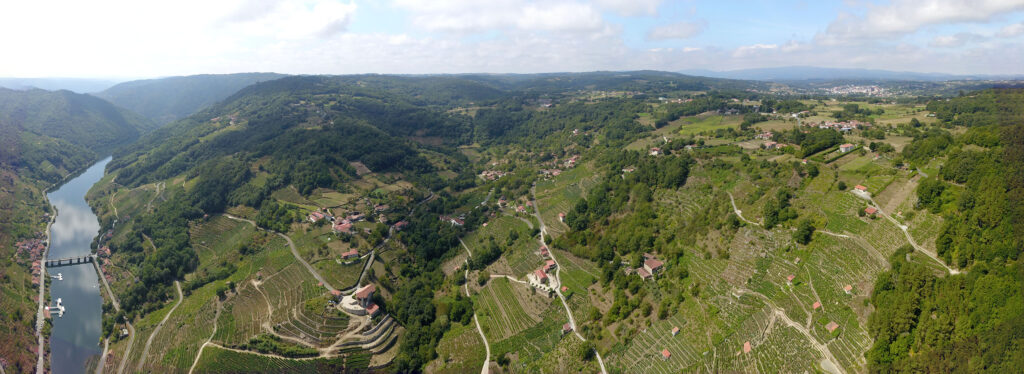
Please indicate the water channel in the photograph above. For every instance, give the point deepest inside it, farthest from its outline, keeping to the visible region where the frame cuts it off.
(74, 339)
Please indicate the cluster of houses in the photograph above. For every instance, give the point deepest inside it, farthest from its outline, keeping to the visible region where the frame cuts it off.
(840, 126)
(33, 249)
(491, 175)
(548, 173)
(571, 162)
(455, 221)
(549, 266)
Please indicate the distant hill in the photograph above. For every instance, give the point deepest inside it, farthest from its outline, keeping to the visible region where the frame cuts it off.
(166, 99)
(648, 81)
(47, 134)
(801, 73)
(79, 85)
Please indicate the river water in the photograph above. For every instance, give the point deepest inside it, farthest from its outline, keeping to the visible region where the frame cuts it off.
(75, 337)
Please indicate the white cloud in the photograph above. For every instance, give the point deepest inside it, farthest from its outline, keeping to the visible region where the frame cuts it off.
(466, 16)
(678, 30)
(748, 50)
(955, 40)
(902, 17)
(1011, 30)
(630, 8)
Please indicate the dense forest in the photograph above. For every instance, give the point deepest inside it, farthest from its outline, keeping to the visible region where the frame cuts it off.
(969, 322)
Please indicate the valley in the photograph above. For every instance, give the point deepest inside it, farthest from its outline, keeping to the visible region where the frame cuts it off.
(597, 222)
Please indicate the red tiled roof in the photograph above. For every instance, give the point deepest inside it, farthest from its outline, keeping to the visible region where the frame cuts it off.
(351, 253)
(860, 187)
(653, 264)
(675, 330)
(817, 304)
(832, 326)
(566, 327)
(565, 288)
(665, 353)
(365, 292)
(746, 347)
(372, 309)
(847, 288)
(540, 274)
(870, 210)
(643, 273)
(335, 292)
(790, 278)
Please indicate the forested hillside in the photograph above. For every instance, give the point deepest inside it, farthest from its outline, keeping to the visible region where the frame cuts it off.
(166, 99)
(969, 322)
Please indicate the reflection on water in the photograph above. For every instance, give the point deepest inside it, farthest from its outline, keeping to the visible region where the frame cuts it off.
(75, 337)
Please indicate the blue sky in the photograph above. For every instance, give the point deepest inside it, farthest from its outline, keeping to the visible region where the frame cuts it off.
(132, 39)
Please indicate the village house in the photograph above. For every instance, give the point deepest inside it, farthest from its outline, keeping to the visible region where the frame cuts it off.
(675, 331)
(315, 217)
(665, 354)
(350, 255)
(549, 265)
(771, 145)
(542, 277)
(816, 305)
(655, 151)
(746, 347)
(870, 210)
(789, 279)
(365, 297)
(832, 326)
(343, 227)
(846, 148)
(401, 225)
(767, 135)
(544, 251)
(652, 265)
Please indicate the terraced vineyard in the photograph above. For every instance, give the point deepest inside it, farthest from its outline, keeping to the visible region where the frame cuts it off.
(500, 310)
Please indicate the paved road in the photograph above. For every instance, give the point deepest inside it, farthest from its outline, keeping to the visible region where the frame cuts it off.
(40, 318)
(145, 350)
(558, 270)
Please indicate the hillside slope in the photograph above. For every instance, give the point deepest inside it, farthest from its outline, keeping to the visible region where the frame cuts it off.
(167, 99)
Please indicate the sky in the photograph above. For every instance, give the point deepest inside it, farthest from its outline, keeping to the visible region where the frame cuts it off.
(139, 39)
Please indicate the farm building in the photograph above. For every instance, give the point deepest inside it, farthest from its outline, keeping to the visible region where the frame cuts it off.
(365, 294)
(790, 278)
(566, 328)
(675, 331)
(846, 148)
(746, 347)
(655, 151)
(350, 255)
(549, 265)
(870, 210)
(847, 289)
(665, 354)
(816, 305)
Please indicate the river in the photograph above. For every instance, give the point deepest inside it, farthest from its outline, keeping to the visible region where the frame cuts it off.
(75, 336)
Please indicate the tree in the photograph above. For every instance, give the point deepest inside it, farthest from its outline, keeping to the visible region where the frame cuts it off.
(841, 186)
(804, 231)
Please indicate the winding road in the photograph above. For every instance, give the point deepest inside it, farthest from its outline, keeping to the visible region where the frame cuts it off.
(295, 252)
(487, 359)
(558, 270)
(739, 212)
(910, 238)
